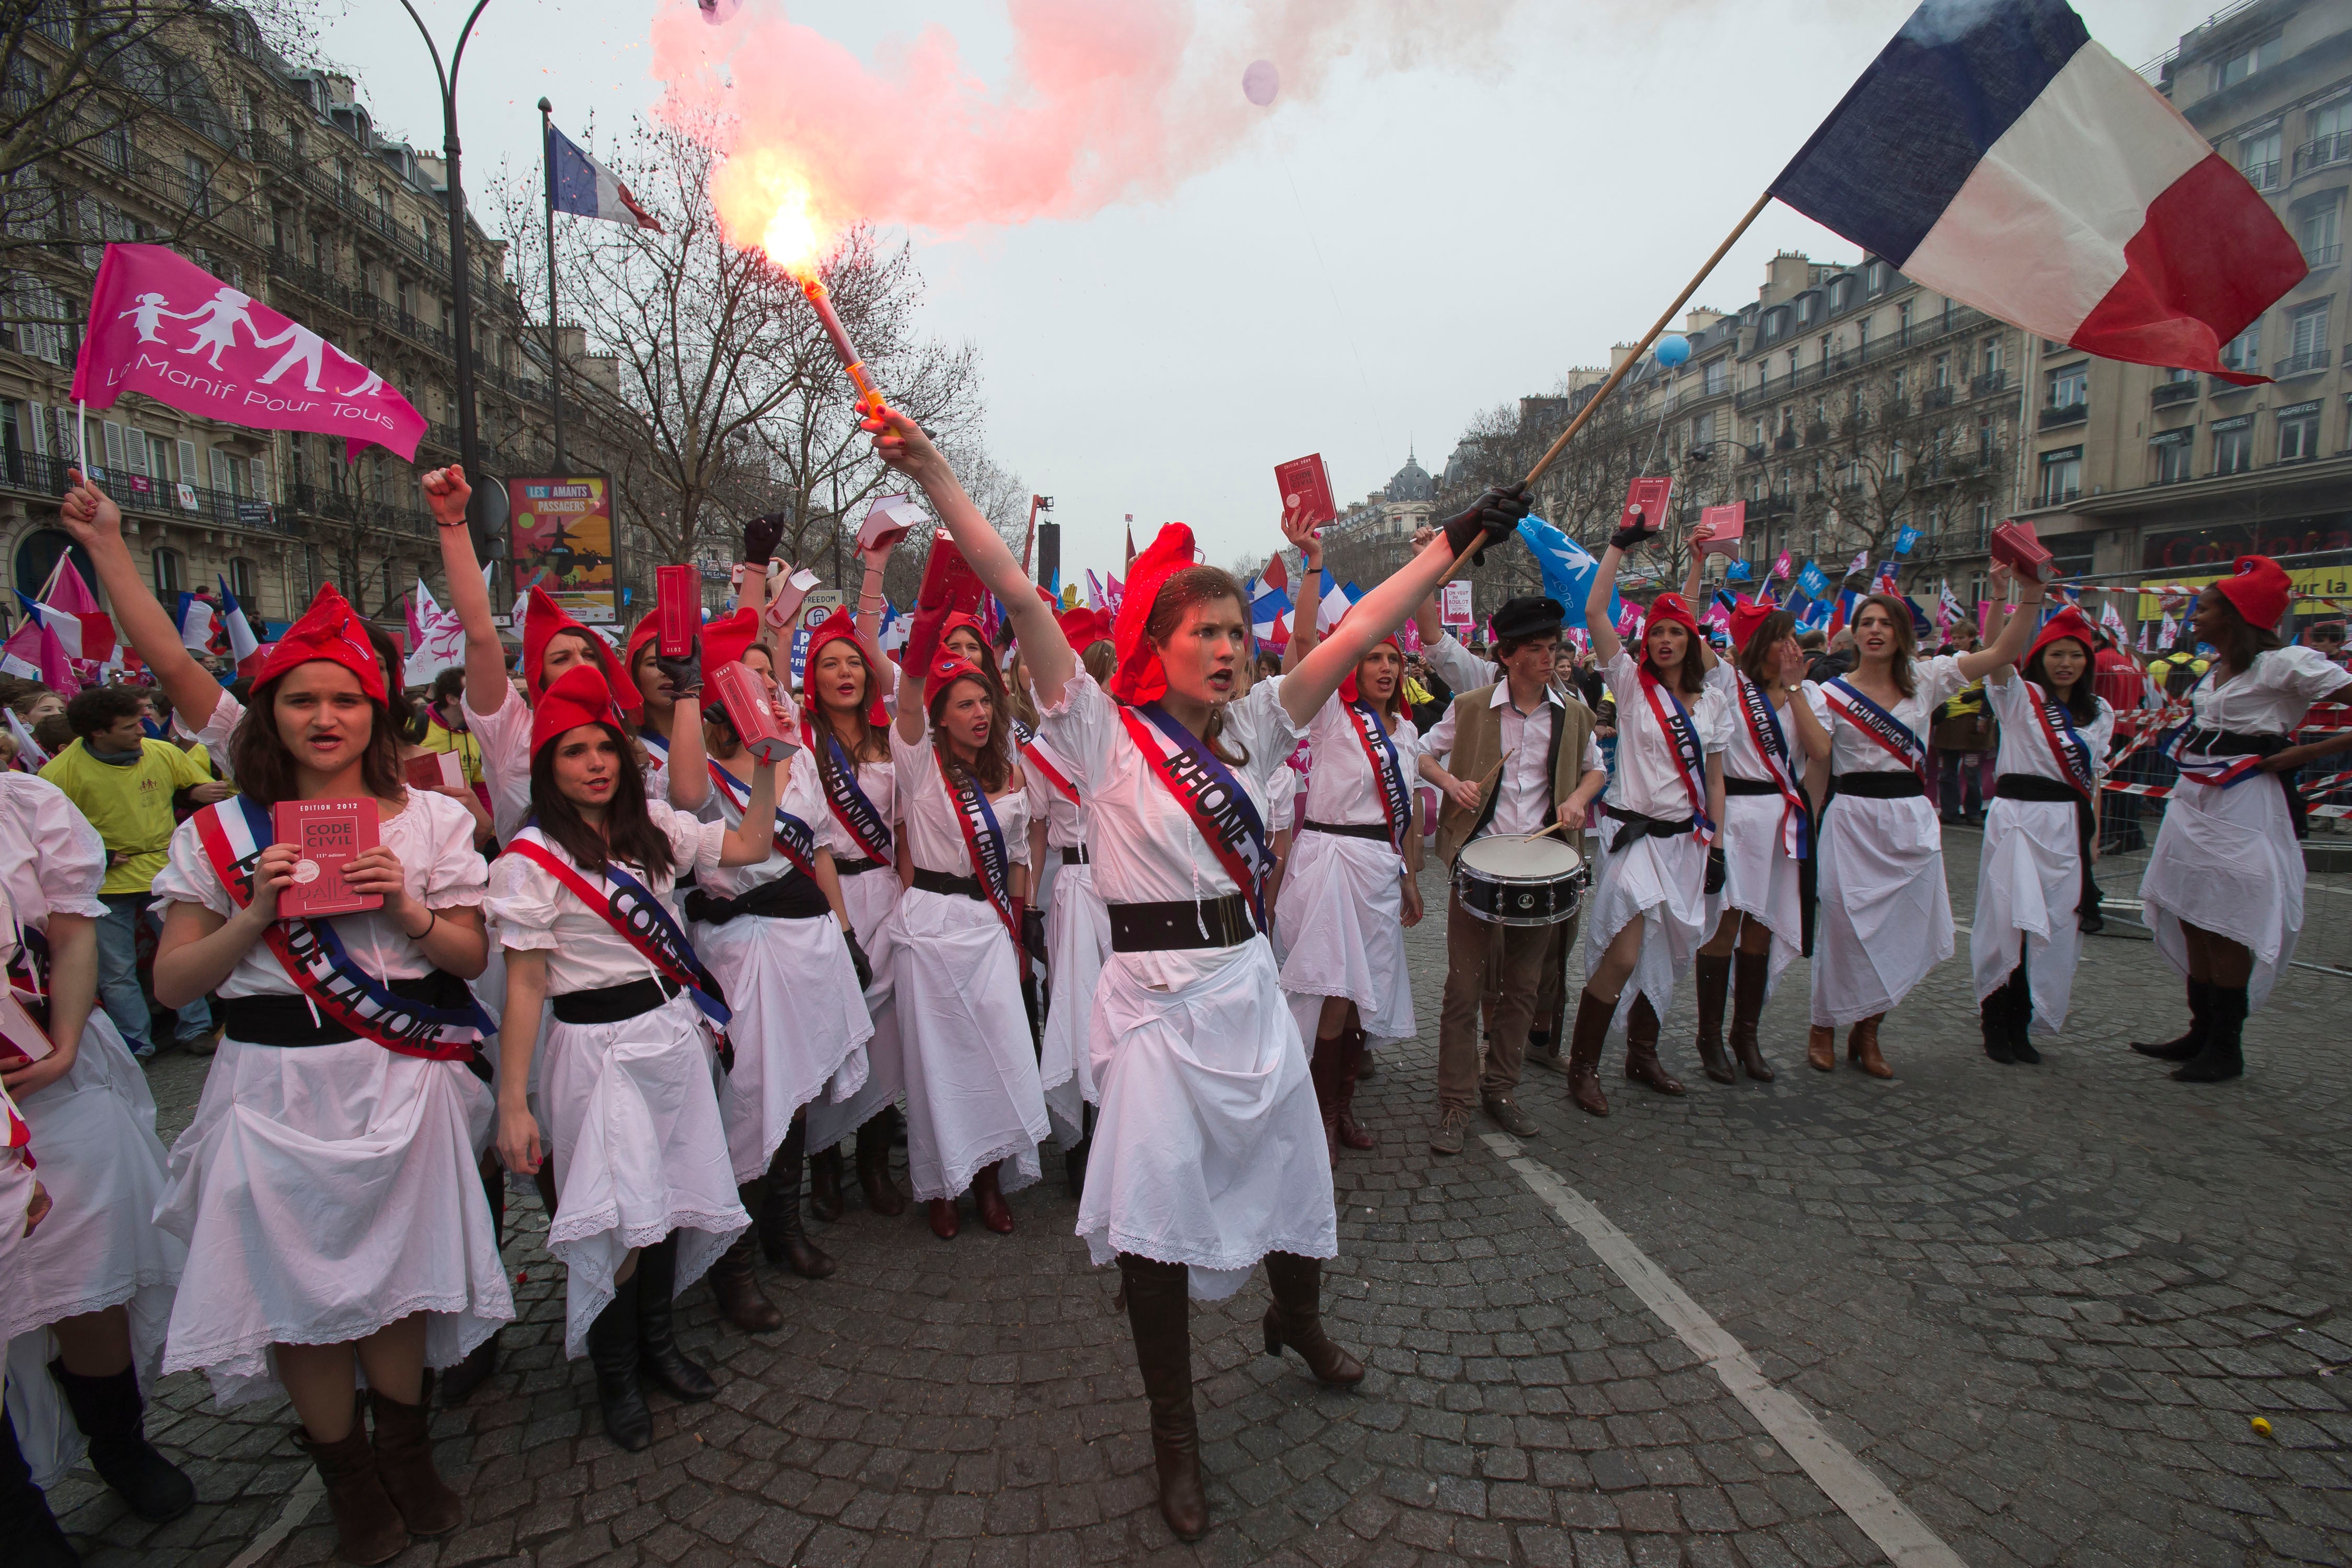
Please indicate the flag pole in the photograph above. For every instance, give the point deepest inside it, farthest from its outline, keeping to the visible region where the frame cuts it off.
(554, 348)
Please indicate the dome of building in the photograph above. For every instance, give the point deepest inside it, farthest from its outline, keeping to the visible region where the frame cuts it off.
(1411, 483)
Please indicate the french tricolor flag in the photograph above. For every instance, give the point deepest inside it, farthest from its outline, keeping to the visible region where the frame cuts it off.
(243, 647)
(579, 184)
(1996, 154)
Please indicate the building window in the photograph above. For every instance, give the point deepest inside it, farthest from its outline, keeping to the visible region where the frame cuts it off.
(2258, 158)
(1873, 278)
(1903, 320)
(2316, 230)
(1718, 375)
(241, 586)
(169, 572)
(2174, 451)
(2233, 445)
(2331, 137)
(2253, 57)
(2298, 432)
(1841, 293)
(1805, 303)
(199, 176)
(2062, 476)
(1991, 356)
(2070, 387)
(2244, 351)
(114, 148)
(2306, 340)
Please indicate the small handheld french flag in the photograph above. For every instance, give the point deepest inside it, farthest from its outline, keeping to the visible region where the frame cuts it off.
(243, 647)
(195, 624)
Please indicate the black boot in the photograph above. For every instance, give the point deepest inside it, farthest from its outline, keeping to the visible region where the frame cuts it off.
(873, 1178)
(1992, 1017)
(659, 1356)
(613, 1350)
(1159, 1313)
(1714, 981)
(2222, 1057)
(824, 1184)
(112, 1416)
(25, 1522)
(781, 1235)
(2200, 1005)
(2020, 1013)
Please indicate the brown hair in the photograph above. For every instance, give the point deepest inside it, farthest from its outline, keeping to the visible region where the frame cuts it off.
(1690, 675)
(1016, 692)
(264, 768)
(1764, 643)
(873, 745)
(1198, 585)
(1907, 638)
(993, 764)
(1101, 659)
(629, 832)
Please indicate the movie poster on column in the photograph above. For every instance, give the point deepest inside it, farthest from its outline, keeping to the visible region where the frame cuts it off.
(563, 543)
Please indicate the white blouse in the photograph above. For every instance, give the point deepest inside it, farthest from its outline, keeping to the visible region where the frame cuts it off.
(798, 793)
(2024, 748)
(1649, 778)
(1938, 680)
(2271, 698)
(51, 858)
(880, 783)
(1741, 760)
(1066, 819)
(532, 911)
(934, 828)
(433, 840)
(1341, 789)
(505, 737)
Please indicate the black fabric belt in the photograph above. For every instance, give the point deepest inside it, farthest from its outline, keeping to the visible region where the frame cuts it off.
(792, 897)
(2033, 787)
(852, 867)
(1376, 831)
(1180, 924)
(1905, 785)
(952, 886)
(1748, 786)
(2232, 743)
(1638, 828)
(1076, 855)
(287, 1021)
(610, 1004)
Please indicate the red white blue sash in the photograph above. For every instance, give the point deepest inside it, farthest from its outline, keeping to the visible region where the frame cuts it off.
(1388, 771)
(632, 911)
(1039, 757)
(1771, 740)
(234, 834)
(1211, 796)
(983, 840)
(1681, 732)
(2067, 747)
(796, 841)
(1891, 734)
(851, 805)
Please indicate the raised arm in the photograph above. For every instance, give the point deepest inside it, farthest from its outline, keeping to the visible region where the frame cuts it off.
(900, 442)
(1606, 644)
(1308, 605)
(888, 679)
(754, 840)
(95, 522)
(1694, 578)
(446, 492)
(2010, 647)
(1426, 615)
(1375, 615)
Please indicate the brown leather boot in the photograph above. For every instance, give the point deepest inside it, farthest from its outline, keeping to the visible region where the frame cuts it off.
(1295, 1320)
(1323, 1073)
(778, 1223)
(1820, 1048)
(1714, 978)
(1160, 1316)
(1642, 1064)
(824, 1184)
(1862, 1047)
(873, 1178)
(988, 1199)
(404, 1463)
(1352, 1134)
(735, 1282)
(1751, 976)
(367, 1526)
(1592, 1016)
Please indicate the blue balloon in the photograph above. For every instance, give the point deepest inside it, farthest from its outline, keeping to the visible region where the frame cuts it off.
(1672, 349)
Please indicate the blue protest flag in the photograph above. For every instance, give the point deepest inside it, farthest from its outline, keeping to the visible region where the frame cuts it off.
(1567, 568)
(1812, 580)
(1739, 572)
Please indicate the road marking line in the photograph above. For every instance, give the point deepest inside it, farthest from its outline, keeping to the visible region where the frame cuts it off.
(1903, 1535)
(298, 1504)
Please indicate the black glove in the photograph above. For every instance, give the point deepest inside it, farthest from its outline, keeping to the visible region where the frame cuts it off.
(1636, 528)
(685, 674)
(1490, 517)
(760, 536)
(1033, 932)
(1716, 870)
(857, 956)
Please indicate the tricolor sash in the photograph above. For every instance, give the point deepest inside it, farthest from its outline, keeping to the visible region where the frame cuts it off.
(851, 805)
(1681, 731)
(2067, 747)
(1220, 809)
(1771, 741)
(656, 746)
(630, 908)
(234, 834)
(1388, 771)
(1892, 734)
(795, 839)
(983, 840)
(1037, 756)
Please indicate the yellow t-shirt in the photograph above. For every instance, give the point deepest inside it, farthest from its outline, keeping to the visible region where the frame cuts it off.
(439, 737)
(129, 805)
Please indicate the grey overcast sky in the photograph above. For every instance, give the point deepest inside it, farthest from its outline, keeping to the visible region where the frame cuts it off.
(1368, 268)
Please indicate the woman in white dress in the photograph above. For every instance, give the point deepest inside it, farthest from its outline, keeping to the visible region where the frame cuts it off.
(1648, 908)
(331, 1190)
(2040, 837)
(1209, 1154)
(1885, 917)
(777, 937)
(647, 1199)
(1349, 885)
(83, 1315)
(34, 1535)
(2224, 883)
(975, 1111)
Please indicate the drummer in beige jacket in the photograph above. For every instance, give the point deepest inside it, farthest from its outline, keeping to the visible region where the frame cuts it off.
(1517, 757)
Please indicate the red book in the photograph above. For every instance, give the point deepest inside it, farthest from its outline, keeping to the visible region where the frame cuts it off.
(327, 833)
(23, 1041)
(1645, 502)
(434, 769)
(745, 697)
(949, 585)
(1729, 523)
(2015, 545)
(1305, 490)
(678, 599)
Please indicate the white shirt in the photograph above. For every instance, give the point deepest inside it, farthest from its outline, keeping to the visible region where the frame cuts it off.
(880, 783)
(51, 858)
(2024, 748)
(505, 737)
(1649, 780)
(799, 794)
(1741, 760)
(1066, 819)
(433, 840)
(2271, 698)
(934, 826)
(1341, 790)
(530, 910)
(1523, 795)
(214, 733)
(1851, 752)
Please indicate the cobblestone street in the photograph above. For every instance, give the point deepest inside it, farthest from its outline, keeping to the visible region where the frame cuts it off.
(2041, 1307)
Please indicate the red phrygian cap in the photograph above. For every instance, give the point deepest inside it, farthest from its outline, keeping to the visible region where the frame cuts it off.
(331, 630)
(543, 620)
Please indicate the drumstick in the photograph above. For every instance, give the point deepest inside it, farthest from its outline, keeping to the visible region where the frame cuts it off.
(1496, 772)
(1547, 832)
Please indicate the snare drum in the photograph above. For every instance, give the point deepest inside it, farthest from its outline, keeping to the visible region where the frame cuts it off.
(1520, 882)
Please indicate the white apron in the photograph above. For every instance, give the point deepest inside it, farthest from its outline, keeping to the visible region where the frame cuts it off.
(1760, 878)
(800, 1029)
(1077, 941)
(972, 1094)
(871, 900)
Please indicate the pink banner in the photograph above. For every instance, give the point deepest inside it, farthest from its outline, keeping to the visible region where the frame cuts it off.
(160, 324)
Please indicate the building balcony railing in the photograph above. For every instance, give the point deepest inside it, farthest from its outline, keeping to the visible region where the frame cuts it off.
(1987, 384)
(341, 506)
(2167, 394)
(2262, 177)
(2066, 413)
(2303, 363)
(2322, 152)
(1935, 397)
(2319, 258)
(1919, 334)
(197, 505)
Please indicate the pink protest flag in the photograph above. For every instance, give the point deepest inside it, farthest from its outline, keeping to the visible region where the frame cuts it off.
(1409, 637)
(68, 595)
(34, 653)
(1781, 567)
(239, 360)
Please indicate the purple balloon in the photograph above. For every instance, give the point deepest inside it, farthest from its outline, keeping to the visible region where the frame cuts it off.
(1260, 82)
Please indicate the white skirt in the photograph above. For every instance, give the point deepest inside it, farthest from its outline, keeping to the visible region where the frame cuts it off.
(1209, 1151)
(329, 1191)
(1077, 941)
(94, 1137)
(1884, 919)
(1663, 881)
(1760, 879)
(972, 1094)
(800, 1029)
(640, 1151)
(870, 898)
(2028, 883)
(1341, 920)
(2226, 861)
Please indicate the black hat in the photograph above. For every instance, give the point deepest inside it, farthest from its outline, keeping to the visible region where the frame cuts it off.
(1533, 617)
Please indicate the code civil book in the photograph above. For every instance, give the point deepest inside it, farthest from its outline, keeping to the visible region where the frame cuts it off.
(327, 834)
